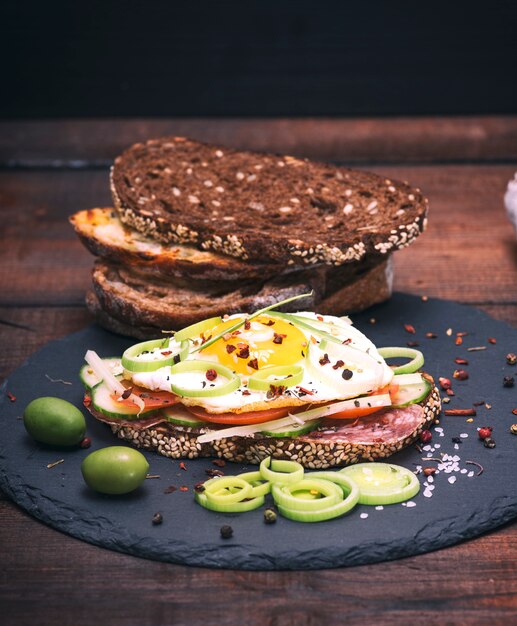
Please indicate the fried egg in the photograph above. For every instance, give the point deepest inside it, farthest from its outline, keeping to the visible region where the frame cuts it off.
(338, 362)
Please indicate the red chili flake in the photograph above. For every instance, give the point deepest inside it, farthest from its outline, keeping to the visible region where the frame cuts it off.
(307, 391)
(338, 364)
(243, 352)
(460, 412)
(11, 396)
(461, 334)
(166, 353)
(278, 338)
(479, 403)
(318, 317)
(247, 325)
(127, 393)
(412, 344)
(445, 383)
(461, 361)
(219, 462)
(409, 329)
(205, 339)
(461, 374)
(253, 363)
(485, 432)
(246, 392)
(275, 391)
(426, 436)
(449, 392)
(492, 340)
(230, 348)
(458, 341)
(346, 341)
(183, 488)
(514, 411)
(227, 336)
(431, 335)
(324, 359)
(211, 374)
(170, 489)
(429, 471)
(87, 401)
(199, 487)
(183, 466)
(270, 323)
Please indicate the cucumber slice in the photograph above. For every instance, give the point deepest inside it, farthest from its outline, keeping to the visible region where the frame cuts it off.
(179, 416)
(103, 402)
(292, 431)
(89, 378)
(412, 394)
(382, 483)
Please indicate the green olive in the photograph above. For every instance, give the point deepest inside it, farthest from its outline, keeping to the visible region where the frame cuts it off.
(114, 470)
(54, 421)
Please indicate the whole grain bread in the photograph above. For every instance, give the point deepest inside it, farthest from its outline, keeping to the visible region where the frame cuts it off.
(262, 207)
(103, 234)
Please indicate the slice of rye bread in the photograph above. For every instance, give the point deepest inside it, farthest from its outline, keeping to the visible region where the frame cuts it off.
(262, 207)
(374, 437)
(104, 235)
(122, 308)
(139, 298)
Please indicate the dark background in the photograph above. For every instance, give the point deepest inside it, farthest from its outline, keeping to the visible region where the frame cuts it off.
(253, 58)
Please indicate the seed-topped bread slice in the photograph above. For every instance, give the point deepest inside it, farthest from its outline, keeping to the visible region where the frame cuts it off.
(102, 232)
(262, 207)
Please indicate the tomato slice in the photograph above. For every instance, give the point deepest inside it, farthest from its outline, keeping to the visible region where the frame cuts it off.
(239, 419)
(152, 399)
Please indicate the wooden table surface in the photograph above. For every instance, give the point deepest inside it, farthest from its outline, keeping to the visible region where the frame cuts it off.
(50, 169)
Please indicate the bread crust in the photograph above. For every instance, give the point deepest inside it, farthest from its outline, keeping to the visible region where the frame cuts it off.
(267, 207)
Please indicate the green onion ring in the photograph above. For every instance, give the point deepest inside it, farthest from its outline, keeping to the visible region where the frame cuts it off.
(293, 375)
(279, 471)
(194, 330)
(131, 363)
(231, 507)
(417, 359)
(260, 487)
(233, 383)
(217, 490)
(285, 495)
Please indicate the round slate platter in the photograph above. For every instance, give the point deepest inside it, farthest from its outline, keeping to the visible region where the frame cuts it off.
(459, 505)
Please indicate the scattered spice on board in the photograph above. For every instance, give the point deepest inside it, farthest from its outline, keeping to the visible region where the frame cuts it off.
(170, 489)
(445, 383)
(481, 468)
(508, 381)
(86, 442)
(460, 412)
(151, 476)
(11, 396)
(511, 358)
(489, 443)
(226, 532)
(409, 329)
(431, 335)
(157, 519)
(219, 462)
(492, 340)
(514, 411)
(485, 432)
(58, 380)
(183, 488)
(460, 361)
(476, 348)
(183, 466)
(51, 465)
(460, 374)
(513, 429)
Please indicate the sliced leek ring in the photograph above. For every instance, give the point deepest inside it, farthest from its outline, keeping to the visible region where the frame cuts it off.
(227, 489)
(289, 376)
(293, 496)
(279, 471)
(195, 330)
(416, 359)
(132, 363)
(233, 381)
(382, 483)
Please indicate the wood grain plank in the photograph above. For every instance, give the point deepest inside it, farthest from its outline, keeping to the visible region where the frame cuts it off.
(468, 253)
(87, 143)
(471, 583)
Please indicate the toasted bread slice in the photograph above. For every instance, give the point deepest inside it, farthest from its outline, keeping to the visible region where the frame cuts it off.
(102, 232)
(262, 207)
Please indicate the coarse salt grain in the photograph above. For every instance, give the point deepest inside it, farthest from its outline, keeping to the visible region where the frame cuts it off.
(379, 508)
(410, 504)
(452, 479)
(428, 492)
(363, 515)
(463, 435)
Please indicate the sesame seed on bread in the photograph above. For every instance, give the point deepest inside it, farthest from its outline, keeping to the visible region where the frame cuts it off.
(262, 207)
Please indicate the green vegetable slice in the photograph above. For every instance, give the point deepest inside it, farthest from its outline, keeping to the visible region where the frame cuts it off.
(350, 499)
(294, 495)
(293, 430)
(89, 378)
(194, 330)
(260, 487)
(233, 381)
(416, 362)
(382, 483)
(412, 394)
(227, 490)
(283, 472)
(232, 507)
(132, 363)
(288, 376)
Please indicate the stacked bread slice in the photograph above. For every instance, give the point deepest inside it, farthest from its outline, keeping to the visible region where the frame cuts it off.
(199, 230)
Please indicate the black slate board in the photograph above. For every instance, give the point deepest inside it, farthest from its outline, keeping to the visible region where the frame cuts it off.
(190, 534)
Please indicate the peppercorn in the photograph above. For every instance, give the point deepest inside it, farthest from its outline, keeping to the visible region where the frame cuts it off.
(513, 429)
(456, 440)
(461, 374)
(445, 383)
(157, 519)
(485, 432)
(86, 442)
(489, 443)
(511, 358)
(426, 436)
(508, 381)
(226, 532)
(269, 516)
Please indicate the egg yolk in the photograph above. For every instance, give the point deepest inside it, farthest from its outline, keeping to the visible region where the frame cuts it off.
(265, 343)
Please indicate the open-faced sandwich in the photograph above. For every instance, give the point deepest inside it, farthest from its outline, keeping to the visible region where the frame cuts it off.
(301, 386)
